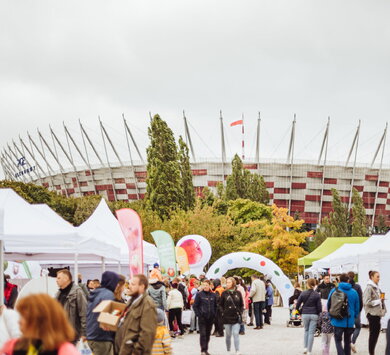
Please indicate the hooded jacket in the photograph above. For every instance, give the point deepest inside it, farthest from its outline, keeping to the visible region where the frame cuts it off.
(358, 289)
(103, 293)
(372, 301)
(159, 296)
(353, 306)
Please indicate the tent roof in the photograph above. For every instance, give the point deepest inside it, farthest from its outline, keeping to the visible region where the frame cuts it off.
(29, 234)
(347, 249)
(104, 226)
(327, 247)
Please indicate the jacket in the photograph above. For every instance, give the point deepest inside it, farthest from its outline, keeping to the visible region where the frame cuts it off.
(270, 295)
(257, 292)
(324, 289)
(358, 289)
(295, 296)
(353, 306)
(324, 321)
(175, 299)
(64, 349)
(159, 296)
(162, 341)
(9, 325)
(205, 305)
(105, 292)
(232, 305)
(372, 300)
(10, 294)
(311, 301)
(76, 308)
(137, 329)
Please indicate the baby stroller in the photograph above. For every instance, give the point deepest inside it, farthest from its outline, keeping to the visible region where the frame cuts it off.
(295, 316)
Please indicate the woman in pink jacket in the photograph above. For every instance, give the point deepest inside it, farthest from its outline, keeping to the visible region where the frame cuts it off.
(44, 326)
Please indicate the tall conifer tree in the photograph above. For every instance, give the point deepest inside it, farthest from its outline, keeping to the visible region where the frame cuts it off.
(188, 201)
(359, 222)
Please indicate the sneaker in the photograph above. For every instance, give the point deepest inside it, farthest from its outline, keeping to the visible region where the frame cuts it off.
(305, 351)
(250, 325)
(190, 332)
(353, 348)
(242, 333)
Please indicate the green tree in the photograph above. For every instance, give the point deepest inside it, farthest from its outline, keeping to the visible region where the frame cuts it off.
(359, 221)
(85, 207)
(188, 201)
(242, 211)
(257, 190)
(164, 184)
(382, 227)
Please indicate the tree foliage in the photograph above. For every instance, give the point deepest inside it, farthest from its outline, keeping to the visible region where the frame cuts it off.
(242, 211)
(164, 185)
(188, 201)
(359, 221)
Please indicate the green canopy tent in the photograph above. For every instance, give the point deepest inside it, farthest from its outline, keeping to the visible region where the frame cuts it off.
(327, 247)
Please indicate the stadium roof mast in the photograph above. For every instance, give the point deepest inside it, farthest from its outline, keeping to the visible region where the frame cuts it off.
(128, 132)
(324, 146)
(355, 144)
(223, 149)
(42, 139)
(27, 161)
(86, 161)
(8, 169)
(132, 138)
(258, 144)
(290, 159)
(382, 143)
(31, 153)
(13, 162)
(103, 131)
(188, 136)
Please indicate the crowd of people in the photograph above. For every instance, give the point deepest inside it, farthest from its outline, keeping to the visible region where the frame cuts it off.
(335, 309)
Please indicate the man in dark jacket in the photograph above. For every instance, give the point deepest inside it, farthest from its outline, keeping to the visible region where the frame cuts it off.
(72, 298)
(99, 340)
(325, 287)
(137, 327)
(358, 324)
(205, 308)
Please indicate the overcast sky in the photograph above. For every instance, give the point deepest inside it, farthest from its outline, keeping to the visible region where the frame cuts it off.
(61, 61)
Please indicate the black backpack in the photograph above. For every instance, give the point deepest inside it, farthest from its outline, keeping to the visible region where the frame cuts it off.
(339, 304)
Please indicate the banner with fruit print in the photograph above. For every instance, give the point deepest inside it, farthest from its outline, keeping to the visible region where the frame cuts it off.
(198, 251)
(182, 260)
(166, 253)
(131, 227)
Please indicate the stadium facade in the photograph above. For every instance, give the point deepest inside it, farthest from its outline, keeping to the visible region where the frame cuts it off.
(303, 187)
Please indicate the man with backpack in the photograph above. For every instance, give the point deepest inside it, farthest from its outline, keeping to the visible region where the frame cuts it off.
(343, 306)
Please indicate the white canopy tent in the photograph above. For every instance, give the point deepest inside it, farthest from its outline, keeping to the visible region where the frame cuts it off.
(346, 254)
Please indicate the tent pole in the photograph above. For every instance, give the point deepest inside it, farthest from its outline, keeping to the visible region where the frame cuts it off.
(119, 267)
(103, 264)
(76, 268)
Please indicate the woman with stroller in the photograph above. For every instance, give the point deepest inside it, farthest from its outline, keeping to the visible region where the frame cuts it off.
(310, 311)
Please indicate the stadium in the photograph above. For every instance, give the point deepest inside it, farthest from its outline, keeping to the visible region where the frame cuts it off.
(76, 166)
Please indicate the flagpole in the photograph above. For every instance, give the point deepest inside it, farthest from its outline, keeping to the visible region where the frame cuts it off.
(243, 138)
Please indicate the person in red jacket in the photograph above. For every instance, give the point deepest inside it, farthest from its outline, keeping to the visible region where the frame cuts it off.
(10, 293)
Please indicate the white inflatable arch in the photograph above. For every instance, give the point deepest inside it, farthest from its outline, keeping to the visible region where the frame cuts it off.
(256, 262)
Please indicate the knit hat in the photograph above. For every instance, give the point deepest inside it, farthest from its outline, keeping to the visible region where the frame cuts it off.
(160, 315)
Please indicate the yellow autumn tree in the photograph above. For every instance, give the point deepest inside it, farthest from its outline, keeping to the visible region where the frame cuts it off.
(279, 240)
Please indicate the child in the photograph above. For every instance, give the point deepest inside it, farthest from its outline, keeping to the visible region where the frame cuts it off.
(162, 340)
(326, 328)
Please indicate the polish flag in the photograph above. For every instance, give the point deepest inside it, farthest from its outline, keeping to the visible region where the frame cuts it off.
(237, 123)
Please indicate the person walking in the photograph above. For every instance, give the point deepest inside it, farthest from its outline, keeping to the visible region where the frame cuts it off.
(162, 340)
(205, 308)
(175, 306)
(325, 287)
(10, 293)
(44, 326)
(72, 298)
(257, 293)
(311, 309)
(269, 301)
(138, 324)
(343, 320)
(232, 306)
(218, 325)
(327, 329)
(100, 341)
(375, 308)
(193, 291)
(358, 324)
(157, 291)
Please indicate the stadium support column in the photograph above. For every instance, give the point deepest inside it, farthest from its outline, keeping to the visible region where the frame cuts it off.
(382, 144)
(107, 158)
(14, 162)
(32, 155)
(258, 144)
(290, 160)
(188, 136)
(86, 161)
(355, 144)
(42, 139)
(223, 150)
(323, 147)
(127, 130)
(7, 169)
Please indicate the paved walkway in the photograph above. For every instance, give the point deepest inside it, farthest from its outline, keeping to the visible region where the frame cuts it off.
(276, 339)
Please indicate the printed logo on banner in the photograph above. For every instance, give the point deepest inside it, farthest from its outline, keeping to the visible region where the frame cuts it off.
(21, 162)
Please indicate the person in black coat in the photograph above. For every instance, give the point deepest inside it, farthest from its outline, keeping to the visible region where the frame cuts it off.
(205, 308)
(310, 301)
(358, 324)
(232, 306)
(325, 287)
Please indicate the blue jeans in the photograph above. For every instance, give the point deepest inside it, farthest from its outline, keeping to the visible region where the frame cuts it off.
(356, 332)
(235, 330)
(258, 311)
(338, 339)
(310, 323)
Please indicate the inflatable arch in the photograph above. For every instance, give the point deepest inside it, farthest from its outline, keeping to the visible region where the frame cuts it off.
(256, 262)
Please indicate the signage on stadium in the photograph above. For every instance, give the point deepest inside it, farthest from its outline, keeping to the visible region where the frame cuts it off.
(21, 163)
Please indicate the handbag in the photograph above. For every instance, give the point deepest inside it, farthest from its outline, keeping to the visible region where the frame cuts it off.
(238, 313)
